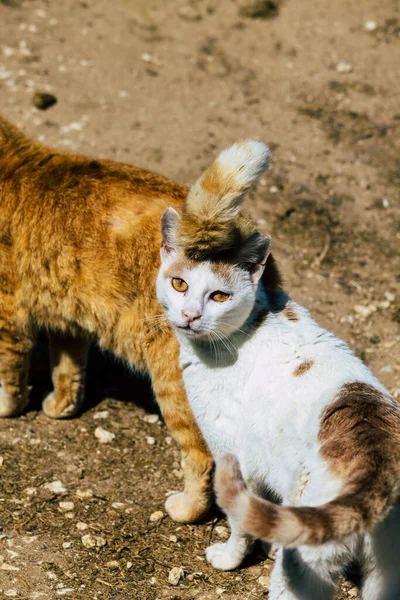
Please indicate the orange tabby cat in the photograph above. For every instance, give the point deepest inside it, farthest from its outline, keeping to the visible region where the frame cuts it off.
(79, 255)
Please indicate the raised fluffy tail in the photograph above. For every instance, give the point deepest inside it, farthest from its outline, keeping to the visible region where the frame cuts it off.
(211, 219)
(355, 511)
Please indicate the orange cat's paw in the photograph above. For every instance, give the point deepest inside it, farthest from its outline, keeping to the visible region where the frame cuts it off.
(11, 408)
(183, 508)
(57, 408)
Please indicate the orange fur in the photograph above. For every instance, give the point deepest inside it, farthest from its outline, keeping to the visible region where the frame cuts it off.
(79, 255)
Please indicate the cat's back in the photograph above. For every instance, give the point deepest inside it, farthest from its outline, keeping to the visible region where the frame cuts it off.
(75, 227)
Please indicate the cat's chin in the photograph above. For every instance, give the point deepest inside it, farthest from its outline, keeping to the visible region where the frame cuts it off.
(191, 333)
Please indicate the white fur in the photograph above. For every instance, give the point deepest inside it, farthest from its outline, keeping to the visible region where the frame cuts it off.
(245, 161)
(248, 403)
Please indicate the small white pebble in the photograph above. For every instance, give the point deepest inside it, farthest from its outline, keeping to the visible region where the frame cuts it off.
(112, 564)
(153, 581)
(155, 517)
(370, 25)
(146, 57)
(100, 541)
(151, 418)
(220, 591)
(69, 515)
(344, 67)
(84, 493)
(6, 567)
(101, 414)
(11, 593)
(385, 203)
(104, 437)
(384, 304)
(67, 545)
(129, 565)
(168, 440)
(273, 189)
(66, 505)
(173, 538)
(175, 575)
(389, 296)
(55, 486)
(150, 440)
(51, 575)
(89, 541)
(364, 311)
(117, 505)
(81, 526)
(263, 580)
(1, 461)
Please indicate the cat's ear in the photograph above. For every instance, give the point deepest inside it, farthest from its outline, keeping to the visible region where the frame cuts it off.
(169, 222)
(254, 254)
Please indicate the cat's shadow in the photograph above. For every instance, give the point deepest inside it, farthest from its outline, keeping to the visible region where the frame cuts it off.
(106, 377)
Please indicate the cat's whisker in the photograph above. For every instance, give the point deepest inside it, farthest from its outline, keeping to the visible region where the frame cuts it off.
(223, 342)
(235, 328)
(153, 317)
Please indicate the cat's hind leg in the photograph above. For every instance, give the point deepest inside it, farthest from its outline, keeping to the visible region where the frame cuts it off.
(381, 571)
(68, 357)
(307, 573)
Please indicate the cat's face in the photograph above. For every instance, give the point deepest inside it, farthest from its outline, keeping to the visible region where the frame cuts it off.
(205, 299)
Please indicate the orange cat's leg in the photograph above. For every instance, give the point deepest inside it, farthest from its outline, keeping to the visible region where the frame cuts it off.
(14, 363)
(163, 364)
(68, 357)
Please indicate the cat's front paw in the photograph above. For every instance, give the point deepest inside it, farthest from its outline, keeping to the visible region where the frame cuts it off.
(184, 508)
(224, 557)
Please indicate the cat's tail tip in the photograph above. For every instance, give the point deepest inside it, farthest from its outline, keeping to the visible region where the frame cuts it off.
(244, 162)
(219, 192)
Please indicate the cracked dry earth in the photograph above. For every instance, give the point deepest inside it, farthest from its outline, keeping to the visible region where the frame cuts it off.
(166, 85)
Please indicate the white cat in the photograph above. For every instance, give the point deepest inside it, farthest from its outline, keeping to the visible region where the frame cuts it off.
(308, 424)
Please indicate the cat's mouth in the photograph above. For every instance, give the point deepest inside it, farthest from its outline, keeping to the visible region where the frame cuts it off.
(188, 329)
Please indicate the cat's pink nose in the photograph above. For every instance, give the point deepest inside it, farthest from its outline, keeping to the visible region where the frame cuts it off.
(191, 314)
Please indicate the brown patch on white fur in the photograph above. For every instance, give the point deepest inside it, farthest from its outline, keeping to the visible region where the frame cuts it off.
(222, 271)
(290, 313)
(180, 266)
(360, 440)
(303, 368)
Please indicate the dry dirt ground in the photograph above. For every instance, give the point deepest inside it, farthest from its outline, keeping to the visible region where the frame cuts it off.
(166, 85)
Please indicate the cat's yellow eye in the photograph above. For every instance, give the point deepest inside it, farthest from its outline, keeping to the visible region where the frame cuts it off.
(179, 285)
(219, 296)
